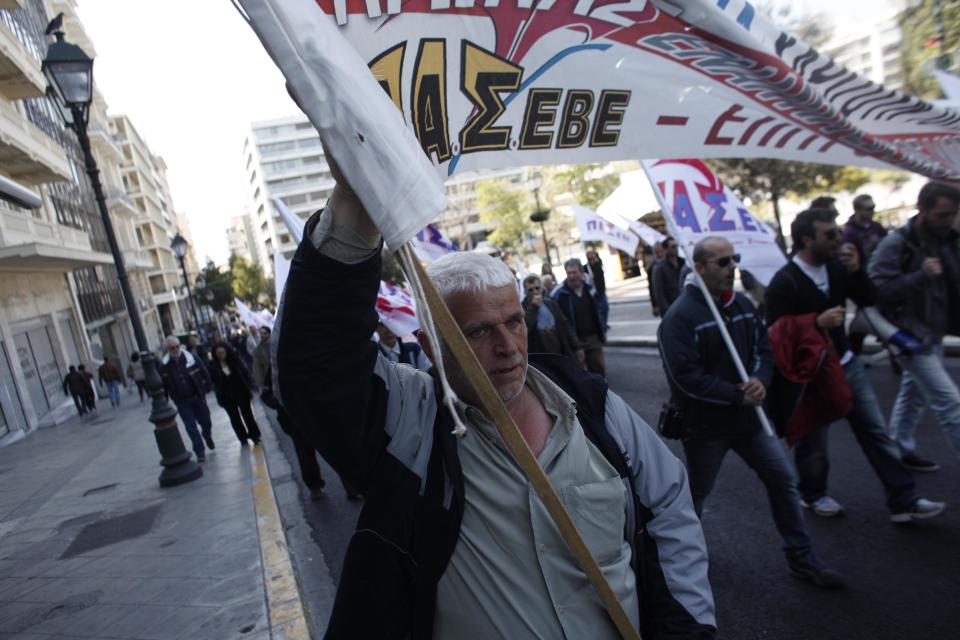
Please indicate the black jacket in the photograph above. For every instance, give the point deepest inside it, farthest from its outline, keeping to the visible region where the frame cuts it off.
(235, 388)
(383, 428)
(569, 345)
(792, 293)
(564, 296)
(196, 376)
(703, 377)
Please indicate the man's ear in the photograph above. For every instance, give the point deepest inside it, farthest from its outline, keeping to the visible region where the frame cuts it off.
(425, 344)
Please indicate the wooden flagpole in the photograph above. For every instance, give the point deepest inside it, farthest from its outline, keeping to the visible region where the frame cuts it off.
(494, 409)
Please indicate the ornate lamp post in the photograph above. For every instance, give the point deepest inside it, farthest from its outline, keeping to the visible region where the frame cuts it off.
(179, 246)
(541, 216)
(70, 73)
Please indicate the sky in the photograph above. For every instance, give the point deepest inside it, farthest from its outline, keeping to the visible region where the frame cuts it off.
(192, 76)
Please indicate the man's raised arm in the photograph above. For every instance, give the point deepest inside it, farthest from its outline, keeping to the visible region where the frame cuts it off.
(324, 356)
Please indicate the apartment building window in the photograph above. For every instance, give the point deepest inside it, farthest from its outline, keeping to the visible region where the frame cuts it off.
(28, 24)
(98, 294)
(280, 166)
(304, 125)
(276, 147)
(291, 201)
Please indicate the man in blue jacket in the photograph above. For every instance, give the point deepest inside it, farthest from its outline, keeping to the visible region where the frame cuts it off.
(578, 304)
(719, 411)
(187, 382)
(451, 542)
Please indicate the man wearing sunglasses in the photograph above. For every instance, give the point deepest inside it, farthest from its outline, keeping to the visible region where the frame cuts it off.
(815, 286)
(718, 410)
(864, 233)
(861, 230)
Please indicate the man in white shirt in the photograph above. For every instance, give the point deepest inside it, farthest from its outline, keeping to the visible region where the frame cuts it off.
(815, 286)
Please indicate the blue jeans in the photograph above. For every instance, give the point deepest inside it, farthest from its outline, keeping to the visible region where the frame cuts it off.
(113, 390)
(766, 457)
(925, 381)
(191, 412)
(603, 308)
(869, 428)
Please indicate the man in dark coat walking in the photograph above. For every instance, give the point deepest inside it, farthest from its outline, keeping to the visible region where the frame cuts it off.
(577, 303)
(187, 383)
(76, 385)
(547, 328)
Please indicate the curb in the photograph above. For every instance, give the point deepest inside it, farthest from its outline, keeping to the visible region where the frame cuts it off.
(284, 605)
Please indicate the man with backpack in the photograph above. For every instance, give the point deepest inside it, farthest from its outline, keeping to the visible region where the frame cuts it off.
(916, 271)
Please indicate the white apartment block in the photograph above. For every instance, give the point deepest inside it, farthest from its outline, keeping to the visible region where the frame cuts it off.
(870, 48)
(144, 181)
(241, 241)
(283, 159)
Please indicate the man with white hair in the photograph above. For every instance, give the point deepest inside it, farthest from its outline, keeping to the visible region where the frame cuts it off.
(187, 382)
(452, 540)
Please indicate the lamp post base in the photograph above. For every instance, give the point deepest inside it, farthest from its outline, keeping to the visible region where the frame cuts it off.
(179, 466)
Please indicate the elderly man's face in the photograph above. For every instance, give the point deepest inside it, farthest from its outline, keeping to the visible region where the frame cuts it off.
(493, 324)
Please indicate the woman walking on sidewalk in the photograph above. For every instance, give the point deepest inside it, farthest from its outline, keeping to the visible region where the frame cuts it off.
(135, 373)
(233, 387)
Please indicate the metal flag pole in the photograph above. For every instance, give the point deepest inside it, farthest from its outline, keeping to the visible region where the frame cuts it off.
(671, 224)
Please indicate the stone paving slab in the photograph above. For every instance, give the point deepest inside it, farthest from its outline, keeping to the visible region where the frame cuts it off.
(92, 547)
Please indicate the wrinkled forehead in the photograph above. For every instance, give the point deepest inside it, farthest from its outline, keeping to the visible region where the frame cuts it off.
(488, 305)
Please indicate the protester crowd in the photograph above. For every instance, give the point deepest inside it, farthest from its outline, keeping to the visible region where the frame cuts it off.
(451, 534)
(455, 512)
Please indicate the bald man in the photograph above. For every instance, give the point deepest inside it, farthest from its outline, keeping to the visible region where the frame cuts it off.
(719, 411)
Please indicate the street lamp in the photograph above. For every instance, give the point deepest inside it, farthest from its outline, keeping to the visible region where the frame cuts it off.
(179, 246)
(70, 73)
(541, 216)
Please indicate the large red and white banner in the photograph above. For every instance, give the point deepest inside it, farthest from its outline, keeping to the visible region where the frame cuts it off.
(488, 83)
(493, 83)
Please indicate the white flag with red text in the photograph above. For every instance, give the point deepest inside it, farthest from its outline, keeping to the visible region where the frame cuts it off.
(698, 204)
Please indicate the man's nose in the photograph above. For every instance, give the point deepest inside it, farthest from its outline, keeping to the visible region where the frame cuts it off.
(505, 342)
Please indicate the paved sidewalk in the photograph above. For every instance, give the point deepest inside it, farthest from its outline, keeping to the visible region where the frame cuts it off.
(92, 547)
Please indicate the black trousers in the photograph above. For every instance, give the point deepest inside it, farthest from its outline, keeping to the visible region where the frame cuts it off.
(80, 403)
(247, 427)
(306, 455)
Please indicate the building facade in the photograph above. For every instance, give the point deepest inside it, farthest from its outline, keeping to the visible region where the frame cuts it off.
(283, 159)
(241, 241)
(56, 272)
(143, 176)
(870, 48)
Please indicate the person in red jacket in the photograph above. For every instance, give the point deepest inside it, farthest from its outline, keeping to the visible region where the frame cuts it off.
(818, 281)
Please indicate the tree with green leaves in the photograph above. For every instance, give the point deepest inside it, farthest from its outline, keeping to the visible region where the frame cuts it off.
(507, 210)
(588, 185)
(930, 38)
(766, 179)
(219, 282)
(247, 280)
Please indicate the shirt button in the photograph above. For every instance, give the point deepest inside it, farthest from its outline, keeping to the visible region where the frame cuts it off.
(493, 440)
(542, 547)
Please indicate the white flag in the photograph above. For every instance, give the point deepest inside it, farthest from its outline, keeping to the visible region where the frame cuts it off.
(699, 205)
(356, 120)
(593, 227)
(292, 221)
(431, 244)
(281, 269)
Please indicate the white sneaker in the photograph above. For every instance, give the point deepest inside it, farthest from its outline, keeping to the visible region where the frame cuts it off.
(922, 509)
(825, 507)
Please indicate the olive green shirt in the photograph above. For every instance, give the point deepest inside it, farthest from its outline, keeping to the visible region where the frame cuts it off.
(511, 574)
